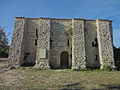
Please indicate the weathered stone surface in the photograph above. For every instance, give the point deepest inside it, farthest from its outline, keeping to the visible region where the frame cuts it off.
(59, 41)
(104, 34)
(30, 37)
(78, 45)
(43, 42)
(88, 43)
(42, 53)
(91, 45)
(17, 46)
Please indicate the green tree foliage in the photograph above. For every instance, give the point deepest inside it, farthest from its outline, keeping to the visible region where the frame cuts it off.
(117, 57)
(3, 44)
(3, 38)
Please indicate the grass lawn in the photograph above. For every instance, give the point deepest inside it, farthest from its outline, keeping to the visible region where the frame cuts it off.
(64, 79)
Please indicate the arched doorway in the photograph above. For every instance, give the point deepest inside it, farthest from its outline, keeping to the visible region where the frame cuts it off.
(64, 59)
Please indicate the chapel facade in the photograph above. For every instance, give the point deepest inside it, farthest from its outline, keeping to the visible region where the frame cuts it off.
(61, 43)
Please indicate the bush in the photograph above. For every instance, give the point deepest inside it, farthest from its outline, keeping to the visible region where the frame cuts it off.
(106, 67)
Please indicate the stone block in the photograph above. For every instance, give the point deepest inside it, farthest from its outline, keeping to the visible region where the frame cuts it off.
(42, 53)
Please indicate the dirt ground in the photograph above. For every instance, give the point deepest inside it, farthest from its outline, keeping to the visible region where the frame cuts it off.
(9, 79)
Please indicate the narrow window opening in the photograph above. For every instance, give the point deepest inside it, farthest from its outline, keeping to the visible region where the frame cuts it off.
(36, 32)
(27, 53)
(71, 55)
(68, 42)
(92, 44)
(96, 42)
(35, 42)
(96, 39)
(96, 58)
(51, 42)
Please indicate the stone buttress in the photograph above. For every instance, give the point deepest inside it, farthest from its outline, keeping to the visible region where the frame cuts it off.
(105, 42)
(43, 45)
(16, 52)
(78, 45)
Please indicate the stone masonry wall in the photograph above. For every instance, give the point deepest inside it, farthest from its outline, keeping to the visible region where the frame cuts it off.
(91, 45)
(78, 45)
(30, 37)
(17, 46)
(104, 34)
(43, 42)
(44, 39)
(59, 41)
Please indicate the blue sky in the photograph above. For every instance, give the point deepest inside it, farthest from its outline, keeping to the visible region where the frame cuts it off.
(90, 9)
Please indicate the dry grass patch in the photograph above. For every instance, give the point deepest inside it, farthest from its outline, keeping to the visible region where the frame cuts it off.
(69, 79)
(64, 79)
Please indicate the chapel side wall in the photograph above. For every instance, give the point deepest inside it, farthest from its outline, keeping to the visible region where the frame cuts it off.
(30, 37)
(91, 45)
(78, 45)
(43, 44)
(104, 34)
(59, 40)
(18, 44)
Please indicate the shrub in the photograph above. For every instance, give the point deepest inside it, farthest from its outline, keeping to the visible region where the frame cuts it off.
(106, 67)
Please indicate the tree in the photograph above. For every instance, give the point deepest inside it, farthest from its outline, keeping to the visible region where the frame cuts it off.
(117, 57)
(3, 44)
(3, 38)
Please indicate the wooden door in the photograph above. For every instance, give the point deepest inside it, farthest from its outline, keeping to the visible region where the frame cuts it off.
(64, 60)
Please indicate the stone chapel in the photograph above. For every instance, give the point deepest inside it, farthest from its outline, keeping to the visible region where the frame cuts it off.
(61, 43)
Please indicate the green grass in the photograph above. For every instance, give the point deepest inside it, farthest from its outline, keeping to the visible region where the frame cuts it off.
(68, 79)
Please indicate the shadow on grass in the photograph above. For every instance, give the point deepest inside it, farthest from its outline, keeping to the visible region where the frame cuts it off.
(77, 86)
(112, 86)
(72, 86)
